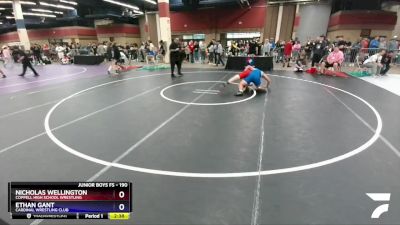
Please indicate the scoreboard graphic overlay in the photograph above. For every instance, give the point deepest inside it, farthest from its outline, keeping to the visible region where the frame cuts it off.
(70, 200)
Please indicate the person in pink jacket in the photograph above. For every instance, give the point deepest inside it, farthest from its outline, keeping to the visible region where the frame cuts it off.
(334, 59)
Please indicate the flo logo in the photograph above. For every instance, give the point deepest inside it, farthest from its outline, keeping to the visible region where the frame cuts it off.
(380, 197)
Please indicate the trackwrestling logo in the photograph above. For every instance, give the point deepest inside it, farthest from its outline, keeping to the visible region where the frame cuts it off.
(379, 197)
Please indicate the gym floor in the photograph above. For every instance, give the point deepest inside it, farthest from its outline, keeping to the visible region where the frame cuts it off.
(305, 152)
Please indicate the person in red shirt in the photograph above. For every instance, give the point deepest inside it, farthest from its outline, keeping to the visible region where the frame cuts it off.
(364, 45)
(191, 48)
(287, 52)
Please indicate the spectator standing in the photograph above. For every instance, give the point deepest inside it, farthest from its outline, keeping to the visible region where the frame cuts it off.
(318, 51)
(393, 45)
(252, 47)
(196, 51)
(60, 52)
(46, 50)
(191, 51)
(364, 46)
(234, 48)
(308, 49)
(37, 54)
(374, 43)
(259, 47)
(218, 54)
(202, 48)
(266, 48)
(109, 52)
(296, 49)
(7, 56)
(287, 53)
(161, 48)
(382, 43)
(101, 49)
(210, 49)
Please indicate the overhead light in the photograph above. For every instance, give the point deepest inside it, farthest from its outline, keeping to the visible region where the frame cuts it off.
(151, 1)
(122, 4)
(10, 17)
(69, 2)
(21, 2)
(47, 11)
(27, 3)
(2, 8)
(57, 6)
(138, 12)
(42, 10)
(38, 14)
(1, 22)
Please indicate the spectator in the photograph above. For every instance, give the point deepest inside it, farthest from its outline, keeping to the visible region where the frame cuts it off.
(7, 56)
(374, 43)
(301, 61)
(161, 48)
(364, 45)
(46, 50)
(393, 45)
(211, 55)
(374, 62)
(109, 52)
(334, 59)
(287, 53)
(296, 49)
(341, 43)
(252, 47)
(259, 47)
(203, 49)
(266, 48)
(101, 49)
(60, 52)
(382, 43)
(37, 54)
(318, 51)
(308, 49)
(196, 51)
(191, 51)
(218, 54)
(151, 48)
(234, 48)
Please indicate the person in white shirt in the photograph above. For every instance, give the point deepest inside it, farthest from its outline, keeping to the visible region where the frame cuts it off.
(60, 52)
(266, 48)
(211, 53)
(219, 50)
(374, 62)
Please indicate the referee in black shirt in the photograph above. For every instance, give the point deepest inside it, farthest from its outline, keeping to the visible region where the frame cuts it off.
(175, 56)
(24, 59)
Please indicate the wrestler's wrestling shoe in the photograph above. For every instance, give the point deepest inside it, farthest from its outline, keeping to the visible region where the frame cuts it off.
(239, 93)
